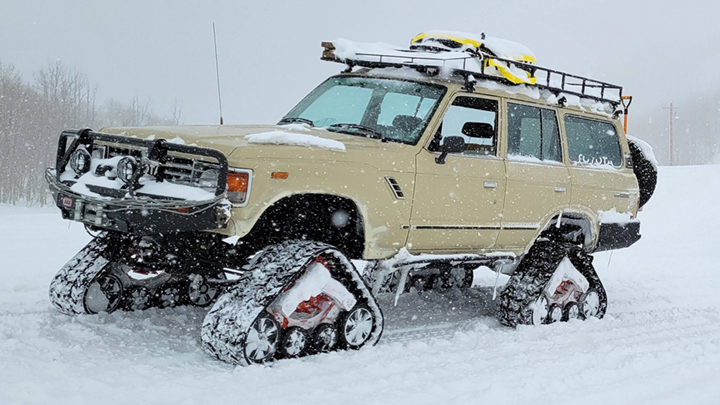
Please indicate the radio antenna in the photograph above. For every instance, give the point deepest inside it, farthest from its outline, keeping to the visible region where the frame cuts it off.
(217, 73)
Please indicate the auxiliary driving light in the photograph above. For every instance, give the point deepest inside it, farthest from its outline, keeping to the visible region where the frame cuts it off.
(126, 169)
(80, 161)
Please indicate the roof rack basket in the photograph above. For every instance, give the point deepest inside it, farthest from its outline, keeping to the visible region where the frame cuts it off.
(555, 81)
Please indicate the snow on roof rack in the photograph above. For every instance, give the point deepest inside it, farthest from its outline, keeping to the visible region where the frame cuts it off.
(470, 66)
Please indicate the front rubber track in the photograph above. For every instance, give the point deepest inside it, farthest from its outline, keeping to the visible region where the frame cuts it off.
(226, 325)
(70, 284)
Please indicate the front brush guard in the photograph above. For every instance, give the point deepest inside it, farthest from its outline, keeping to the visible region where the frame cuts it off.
(138, 214)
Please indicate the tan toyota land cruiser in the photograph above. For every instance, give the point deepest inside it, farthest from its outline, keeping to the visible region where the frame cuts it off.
(425, 162)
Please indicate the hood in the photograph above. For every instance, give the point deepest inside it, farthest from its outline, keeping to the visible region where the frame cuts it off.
(293, 141)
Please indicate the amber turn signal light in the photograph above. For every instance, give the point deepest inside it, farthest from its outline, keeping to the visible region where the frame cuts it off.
(237, 182)
(279, 175)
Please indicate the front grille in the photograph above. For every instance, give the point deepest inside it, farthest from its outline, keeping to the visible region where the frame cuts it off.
(186, 171)
(177, 169)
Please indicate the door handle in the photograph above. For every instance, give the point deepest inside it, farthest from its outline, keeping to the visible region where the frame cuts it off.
(622, 195)
(560, 189)
(490, 184)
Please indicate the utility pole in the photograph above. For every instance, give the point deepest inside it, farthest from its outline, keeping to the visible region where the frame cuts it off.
(672, 118)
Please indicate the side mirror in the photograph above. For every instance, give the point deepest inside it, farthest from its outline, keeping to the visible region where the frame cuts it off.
(452, 144)
(481, 130)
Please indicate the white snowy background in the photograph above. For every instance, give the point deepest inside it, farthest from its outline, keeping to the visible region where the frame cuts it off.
(161, 51)
(658, 344)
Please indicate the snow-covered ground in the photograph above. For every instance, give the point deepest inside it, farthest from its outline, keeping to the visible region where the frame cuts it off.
(658, 344)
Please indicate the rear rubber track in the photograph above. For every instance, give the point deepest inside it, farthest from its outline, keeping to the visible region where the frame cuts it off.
(534, 272)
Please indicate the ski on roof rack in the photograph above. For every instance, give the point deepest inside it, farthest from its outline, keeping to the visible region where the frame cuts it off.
(470, 65)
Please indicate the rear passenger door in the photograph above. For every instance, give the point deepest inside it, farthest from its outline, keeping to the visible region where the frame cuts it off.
(600, 179)
(538, 181)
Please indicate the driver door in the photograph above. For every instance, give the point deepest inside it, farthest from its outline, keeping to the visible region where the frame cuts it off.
(457, 206)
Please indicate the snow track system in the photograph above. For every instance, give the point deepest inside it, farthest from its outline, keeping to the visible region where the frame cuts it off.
(298, 298)
(101, 279)
(553, 282)
(250, 324)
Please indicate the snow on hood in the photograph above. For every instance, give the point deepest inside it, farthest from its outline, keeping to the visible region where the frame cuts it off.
(229, 138)
(295, 139)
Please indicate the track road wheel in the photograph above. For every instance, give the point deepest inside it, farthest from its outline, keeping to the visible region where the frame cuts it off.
(554, 314)
(469, 278)
(200, 293)
(325, 338)
(437, 282)
(262, 339)
(136, 299)
(570, 311)
(294, 343)
(355, 327)
(103, 295)
(169, 295)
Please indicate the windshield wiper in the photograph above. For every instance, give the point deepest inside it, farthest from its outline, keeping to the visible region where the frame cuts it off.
(289, 120)
(373, 133)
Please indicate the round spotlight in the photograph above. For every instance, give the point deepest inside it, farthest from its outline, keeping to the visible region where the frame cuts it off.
(80, 161)
(126, 168)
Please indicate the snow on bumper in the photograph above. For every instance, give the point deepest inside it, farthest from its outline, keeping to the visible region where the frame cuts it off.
(142, 216)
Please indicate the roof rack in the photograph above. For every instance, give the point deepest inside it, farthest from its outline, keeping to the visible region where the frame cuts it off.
(555, 81)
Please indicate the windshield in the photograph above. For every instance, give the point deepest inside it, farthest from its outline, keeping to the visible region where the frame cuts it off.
(387, 109)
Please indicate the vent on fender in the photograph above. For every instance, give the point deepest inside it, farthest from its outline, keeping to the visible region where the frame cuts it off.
(395, 188)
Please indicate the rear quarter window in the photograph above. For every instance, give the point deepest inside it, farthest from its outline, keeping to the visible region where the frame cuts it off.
(592, 142)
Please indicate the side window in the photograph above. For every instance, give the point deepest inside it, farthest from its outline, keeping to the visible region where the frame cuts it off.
(475, 120)
(592, 142)
(533, 134)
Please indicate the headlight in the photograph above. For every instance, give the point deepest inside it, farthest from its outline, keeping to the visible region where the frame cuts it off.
(208, 180)
(80, 161)
(238, 183)
(126, 168)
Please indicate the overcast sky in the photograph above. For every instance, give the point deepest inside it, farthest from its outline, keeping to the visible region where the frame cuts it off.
(270, 50)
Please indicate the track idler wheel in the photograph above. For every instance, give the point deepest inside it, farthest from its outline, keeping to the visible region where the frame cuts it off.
(355, 327)
(262, 340)
(84, 285)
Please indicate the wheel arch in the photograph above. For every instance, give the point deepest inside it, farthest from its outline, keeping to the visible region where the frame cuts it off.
(334, 219)
(577, 224)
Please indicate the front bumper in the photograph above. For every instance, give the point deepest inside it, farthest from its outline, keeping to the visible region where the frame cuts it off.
(129, 210)
(139, 216)
(617, 236)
